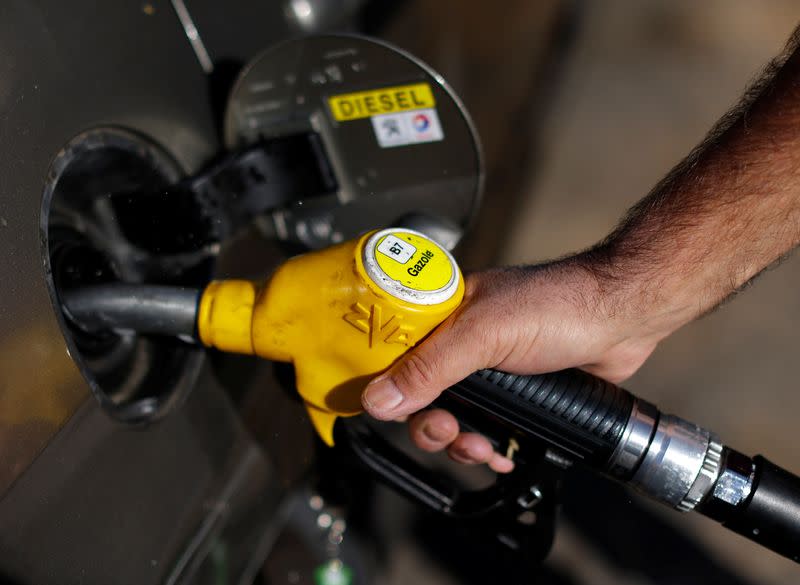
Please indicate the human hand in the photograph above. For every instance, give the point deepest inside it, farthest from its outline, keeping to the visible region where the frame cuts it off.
(519, 320)
(719, 218)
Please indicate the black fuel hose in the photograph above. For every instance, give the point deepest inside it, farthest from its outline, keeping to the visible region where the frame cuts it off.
(582, 415)
(159, 310)
(665, 457)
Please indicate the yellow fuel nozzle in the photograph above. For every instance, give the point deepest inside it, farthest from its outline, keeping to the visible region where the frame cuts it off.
(341, 315)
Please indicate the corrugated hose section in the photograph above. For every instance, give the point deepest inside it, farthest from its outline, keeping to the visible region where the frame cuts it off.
(570, 409)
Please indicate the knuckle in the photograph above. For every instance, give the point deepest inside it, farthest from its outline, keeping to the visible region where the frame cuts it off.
(417, 373)
(431, 431)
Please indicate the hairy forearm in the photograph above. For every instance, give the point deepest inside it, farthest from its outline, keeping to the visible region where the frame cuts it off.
(724, 214)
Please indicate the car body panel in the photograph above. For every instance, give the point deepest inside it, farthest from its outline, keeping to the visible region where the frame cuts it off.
(84, 498)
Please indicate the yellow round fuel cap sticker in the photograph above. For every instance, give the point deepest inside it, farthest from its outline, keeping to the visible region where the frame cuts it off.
(411, 266)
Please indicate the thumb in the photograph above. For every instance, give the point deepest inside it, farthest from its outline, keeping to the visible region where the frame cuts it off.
(417, 379)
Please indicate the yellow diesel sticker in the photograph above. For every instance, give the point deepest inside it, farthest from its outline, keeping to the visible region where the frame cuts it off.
(387, 100)
(414, 261)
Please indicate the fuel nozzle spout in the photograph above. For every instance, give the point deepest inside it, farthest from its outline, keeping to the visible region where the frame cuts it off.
(341, 315)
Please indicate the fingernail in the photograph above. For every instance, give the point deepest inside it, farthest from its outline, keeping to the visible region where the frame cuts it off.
(435, 433)
(382, 395)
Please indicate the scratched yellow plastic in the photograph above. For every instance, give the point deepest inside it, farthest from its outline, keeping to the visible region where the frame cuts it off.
(321, 312)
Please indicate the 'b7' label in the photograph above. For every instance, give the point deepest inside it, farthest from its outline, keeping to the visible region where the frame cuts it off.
(396, 249)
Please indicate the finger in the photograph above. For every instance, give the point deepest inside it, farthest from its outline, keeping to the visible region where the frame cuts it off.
(449, 355)
(433, 430)
(501, 464)
(471, 448)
